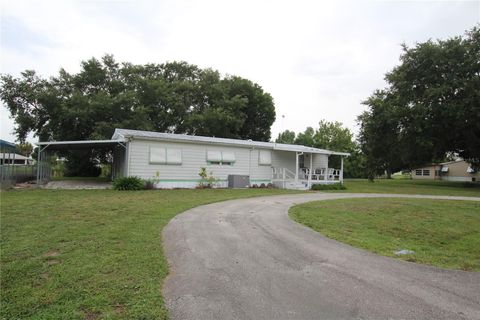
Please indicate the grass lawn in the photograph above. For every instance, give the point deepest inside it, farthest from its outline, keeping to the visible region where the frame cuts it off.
(442, 233)
(90, 254)
(412, 187)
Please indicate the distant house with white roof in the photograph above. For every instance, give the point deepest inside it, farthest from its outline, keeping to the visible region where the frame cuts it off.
(14, 159)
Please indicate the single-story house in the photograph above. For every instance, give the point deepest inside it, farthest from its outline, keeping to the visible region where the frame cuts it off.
(175, 160)
(458, 170)
(14, 159)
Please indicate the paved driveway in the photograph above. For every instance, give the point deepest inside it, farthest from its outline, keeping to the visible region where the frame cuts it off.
(245, 259)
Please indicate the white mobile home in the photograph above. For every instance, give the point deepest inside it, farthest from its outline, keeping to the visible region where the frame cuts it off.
(175, 160)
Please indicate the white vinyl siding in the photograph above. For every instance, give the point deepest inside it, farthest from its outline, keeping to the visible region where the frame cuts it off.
(193, 157)
(283, 159)
(174, 156)
(265, 158)
(319, 161)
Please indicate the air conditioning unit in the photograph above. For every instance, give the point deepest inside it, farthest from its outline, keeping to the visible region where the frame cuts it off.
(238, 181)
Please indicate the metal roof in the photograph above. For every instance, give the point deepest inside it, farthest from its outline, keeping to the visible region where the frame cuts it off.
(150, 135)
(76, 145)
(6, 144)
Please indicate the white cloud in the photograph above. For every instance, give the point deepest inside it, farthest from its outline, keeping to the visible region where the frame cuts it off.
(319, 60)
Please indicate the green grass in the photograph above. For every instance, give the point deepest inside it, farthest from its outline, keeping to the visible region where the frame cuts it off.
(90, 254)
(442, 233)
(412, 187)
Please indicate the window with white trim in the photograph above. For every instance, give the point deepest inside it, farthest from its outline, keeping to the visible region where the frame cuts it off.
(264, 157)
(426, 172)
(225, 158)
(165, 156)
(418, 172)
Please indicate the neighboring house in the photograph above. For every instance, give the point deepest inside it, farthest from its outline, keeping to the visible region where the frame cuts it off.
(13, 167)
(175, 160)
(453, 171)
(14, 158)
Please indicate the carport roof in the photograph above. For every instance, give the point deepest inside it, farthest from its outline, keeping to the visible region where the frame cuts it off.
(76, 145)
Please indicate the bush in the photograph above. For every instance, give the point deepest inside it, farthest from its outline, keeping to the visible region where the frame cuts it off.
(471, 184)
(207, 181)
(334, 186)
(149, 184)
(128, 183)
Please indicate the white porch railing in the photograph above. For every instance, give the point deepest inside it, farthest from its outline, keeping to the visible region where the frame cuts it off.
(283, 176)
(319, 174)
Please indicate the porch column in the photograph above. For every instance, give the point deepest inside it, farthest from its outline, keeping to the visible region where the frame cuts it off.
(325, 177)
(341, 169)
(296, 166)
(310, 172)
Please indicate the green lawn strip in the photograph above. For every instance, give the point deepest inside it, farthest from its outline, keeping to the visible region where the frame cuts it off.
(404, 186)
(443, 233)
(90, 254)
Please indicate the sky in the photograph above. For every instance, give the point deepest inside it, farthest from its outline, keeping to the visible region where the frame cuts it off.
(318, 59)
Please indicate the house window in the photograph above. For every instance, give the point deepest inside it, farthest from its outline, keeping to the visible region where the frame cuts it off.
(264, 158)
(165, 156)
(426, 172)
(223, 158)
(418, 172)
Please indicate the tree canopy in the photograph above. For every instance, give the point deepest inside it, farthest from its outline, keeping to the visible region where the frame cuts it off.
(24, 148)
(430, 107)
(331, 136)
(172, 97)
(286, 136)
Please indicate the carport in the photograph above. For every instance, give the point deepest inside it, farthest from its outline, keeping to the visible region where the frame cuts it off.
(45, 149)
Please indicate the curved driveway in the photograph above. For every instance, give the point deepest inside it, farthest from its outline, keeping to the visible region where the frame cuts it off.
(246, 259)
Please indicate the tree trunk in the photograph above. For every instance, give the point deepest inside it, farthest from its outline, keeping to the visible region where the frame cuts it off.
(388, 173)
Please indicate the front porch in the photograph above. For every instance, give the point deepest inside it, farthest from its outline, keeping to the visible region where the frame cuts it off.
(308, 171)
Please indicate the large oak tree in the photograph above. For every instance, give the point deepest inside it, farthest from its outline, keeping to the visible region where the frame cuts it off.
(174, 97)
(430, 107)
